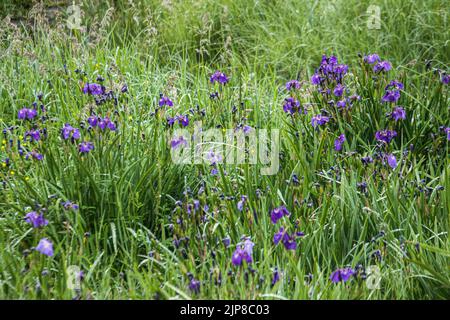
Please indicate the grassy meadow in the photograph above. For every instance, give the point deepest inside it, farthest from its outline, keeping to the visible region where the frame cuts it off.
(359, 207)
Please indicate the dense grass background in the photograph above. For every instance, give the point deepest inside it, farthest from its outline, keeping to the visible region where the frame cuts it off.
(128, 187)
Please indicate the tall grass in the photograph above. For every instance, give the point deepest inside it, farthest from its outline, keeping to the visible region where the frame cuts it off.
(128, 187)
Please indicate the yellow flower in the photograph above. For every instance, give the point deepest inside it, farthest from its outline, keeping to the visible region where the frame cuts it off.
(12, 172)
(27, 178)
(3, 141)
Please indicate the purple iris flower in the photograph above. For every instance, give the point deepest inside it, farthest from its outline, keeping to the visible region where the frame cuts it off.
(183, 120)
(315, 79)
(342, 274)
(45, 246)
(319, 120)
(35, 155)
(278, 213)
(339, 142)
(176, 142)
(70, 205)
(219, 77)
(27, 114)
(372, 58)
(366, 160)
(226, 242)
(85, 147)
(382, 66)
(106, 123)
(289, 241)
(275, 276)
(293, 84)
(391, 96)
(194, 285)
(93, 120)
(243, 253)
(394, 84)
(93, 89)
(385, 136)
(447, 131)
(445, 78)
(35, 135)
(165, 101)
(338, 90)
(392, 161)
(240, 204)
(36, 219)
(70, 132)
(290, 105)
(341, 104)
(398, 113)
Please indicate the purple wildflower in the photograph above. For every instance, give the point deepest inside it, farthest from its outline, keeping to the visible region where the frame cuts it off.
(293, 84)
(176, 142)
(93, 89)
(279, 213)
(372, 58)
(219, 77)
(35, 135)
(291, 105)
(385, 136)
(36, 219)
(398, 113)
(106, 123)
(343, 275)
(70, 132)
(70, 205)
(382, 66)
(392, 161)
(289, 241)
(445, 78)
(85, 147)
(338, 90)
(339, 142)
(275, 276)
(240, 204)
(243, 253)
(45, 246)
(93, 120)
(341, 104)
(394, 84)
(27, 114)
(315, 79)
(447, 131)
(319, 120)
(165, 101)
(391, 96)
